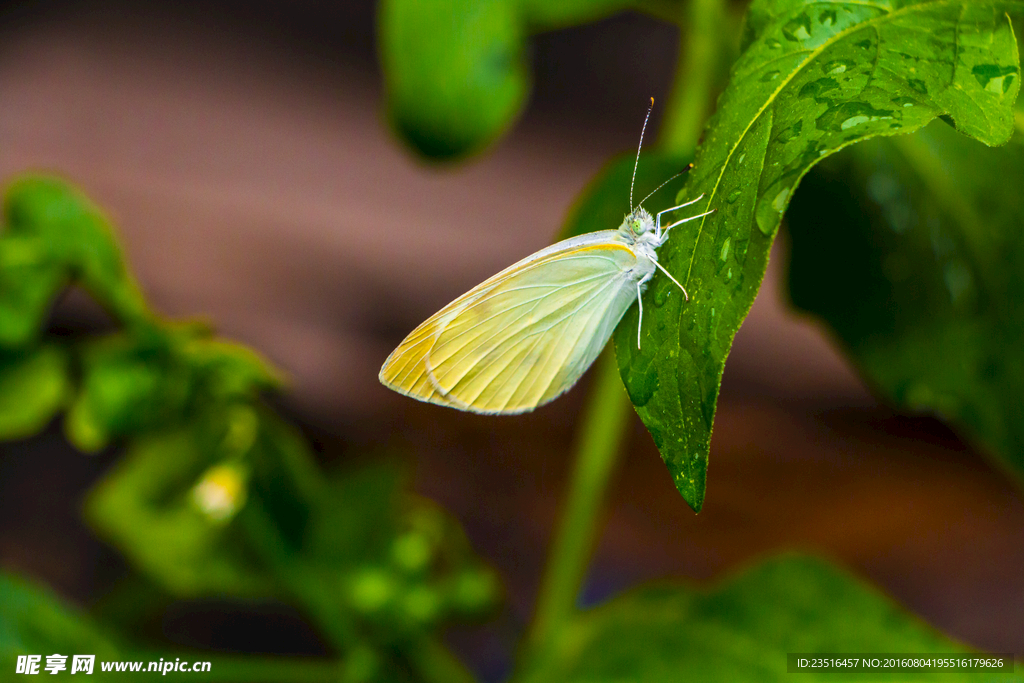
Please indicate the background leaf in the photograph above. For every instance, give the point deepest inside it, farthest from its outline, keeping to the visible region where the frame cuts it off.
(33, 387)
(53, 235)
(147, 507)
(816, 77)
(455, 72)
(742, 630)
(158, 376)
(34, 622)
(919, 274)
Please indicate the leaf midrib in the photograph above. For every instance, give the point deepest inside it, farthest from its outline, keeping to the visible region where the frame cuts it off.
(771, 99)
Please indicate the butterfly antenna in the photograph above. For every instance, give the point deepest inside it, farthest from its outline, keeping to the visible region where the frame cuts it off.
(637, 162)
(688, 167)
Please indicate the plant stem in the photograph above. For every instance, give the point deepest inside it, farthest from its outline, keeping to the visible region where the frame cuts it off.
(600, 440)
(690, 101)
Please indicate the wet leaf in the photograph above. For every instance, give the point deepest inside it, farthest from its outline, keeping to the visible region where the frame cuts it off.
(919, 274)
(815, 77)
(742, 630)
(454, 72)
(33, 388)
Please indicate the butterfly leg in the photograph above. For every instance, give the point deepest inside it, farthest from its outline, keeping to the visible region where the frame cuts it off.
(640, 323)
(687, 220)
(657, 216)
(673, 279)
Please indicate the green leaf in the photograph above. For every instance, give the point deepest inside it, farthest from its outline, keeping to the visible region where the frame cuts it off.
(53, 234)
(33, 621)
(454, 72)
(33, 388)
(153, 506)
(816, 76)
(742, 630)
(29, 280)
(919, 275)
(159, 376)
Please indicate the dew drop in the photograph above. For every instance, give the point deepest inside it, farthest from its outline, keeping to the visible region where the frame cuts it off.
(854, 121)
(660, 297)
(797, 28)
(838, 66)
(725, 249)
(779, 203)
(733, 196)
(770, 76)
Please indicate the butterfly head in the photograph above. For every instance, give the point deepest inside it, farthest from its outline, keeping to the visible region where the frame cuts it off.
(638, 222)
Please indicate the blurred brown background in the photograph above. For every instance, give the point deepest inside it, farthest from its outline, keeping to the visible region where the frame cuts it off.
(241, 150)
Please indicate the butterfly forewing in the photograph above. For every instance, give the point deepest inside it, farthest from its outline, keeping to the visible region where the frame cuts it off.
(524, 336)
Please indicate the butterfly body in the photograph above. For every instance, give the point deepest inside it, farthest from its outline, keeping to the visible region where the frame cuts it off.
(526, 335)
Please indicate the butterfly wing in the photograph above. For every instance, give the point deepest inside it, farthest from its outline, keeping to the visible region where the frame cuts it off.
(526, 335)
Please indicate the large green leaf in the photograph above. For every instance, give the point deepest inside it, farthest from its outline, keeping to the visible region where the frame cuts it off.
(815, 77)
(920, 275)
(742, 630)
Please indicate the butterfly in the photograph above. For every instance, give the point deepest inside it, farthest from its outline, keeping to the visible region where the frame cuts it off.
(526, 335)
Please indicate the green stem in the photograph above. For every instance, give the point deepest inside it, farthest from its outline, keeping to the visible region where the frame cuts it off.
(600, 440)
(690, 101)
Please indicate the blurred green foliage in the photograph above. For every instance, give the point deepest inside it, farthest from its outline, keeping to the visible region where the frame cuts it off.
(742, 630)
(214, 496)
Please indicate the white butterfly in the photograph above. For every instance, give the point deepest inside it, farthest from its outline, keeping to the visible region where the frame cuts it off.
(526, 335)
